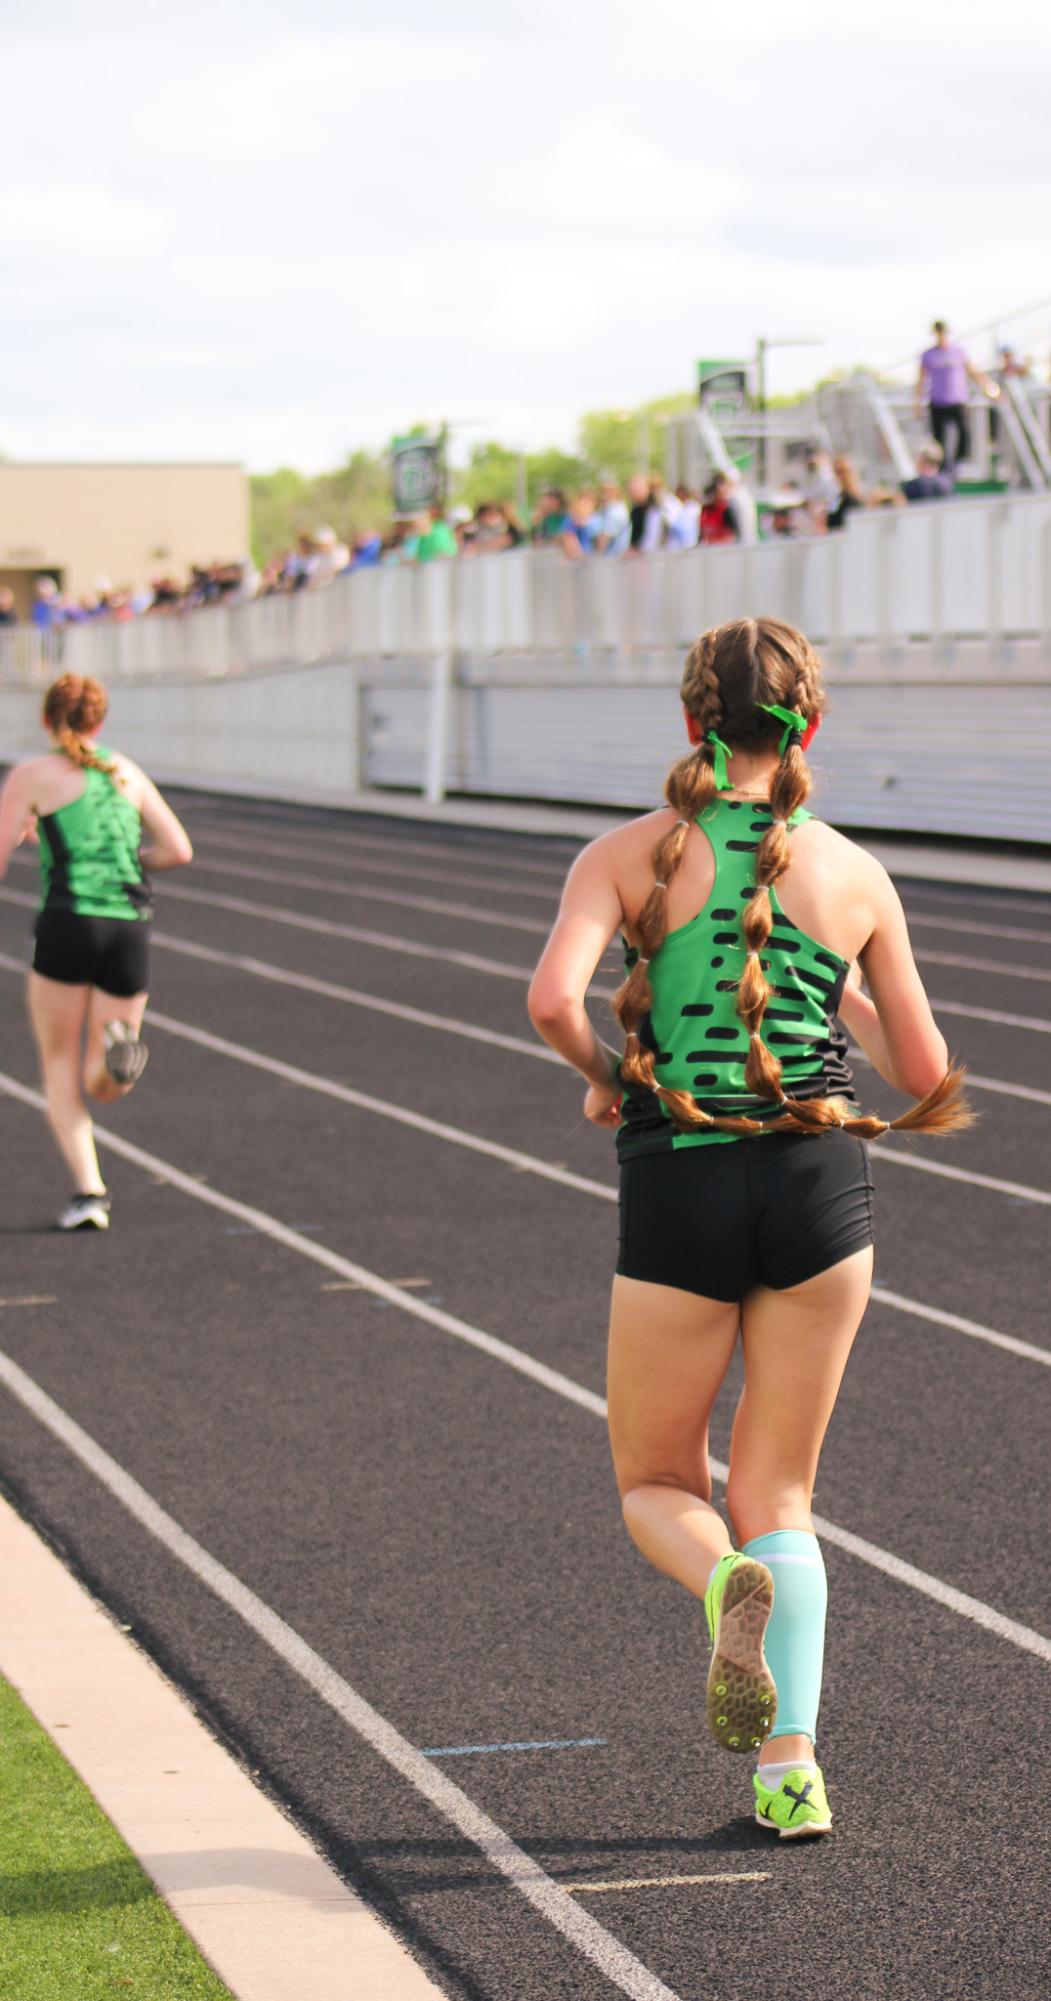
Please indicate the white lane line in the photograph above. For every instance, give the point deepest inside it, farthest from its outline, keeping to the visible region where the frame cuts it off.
(526, 1876)
(281, 1233)
(1002, 967)
(330, 990)
(469, 913)
(476, 848)
(33, 1299)
(325, 989)
(968, 898)
(1019, 1189)
(1027, 1091)
(526, 1744)
(974, 1328)
(1004, 1090)
(321, 851)
(1038, 1024)
(433, 905)
(940, 1170)
(526, 1162)
(384, 940)
(980, 930)
(511, 1157)
(362, 1100)
(946, 1595)
(667, 1882)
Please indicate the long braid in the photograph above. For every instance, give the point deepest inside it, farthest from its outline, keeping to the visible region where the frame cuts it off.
(763, 660)
(689, 788)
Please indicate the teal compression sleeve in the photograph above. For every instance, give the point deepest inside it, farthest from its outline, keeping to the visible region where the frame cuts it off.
(795, 1637)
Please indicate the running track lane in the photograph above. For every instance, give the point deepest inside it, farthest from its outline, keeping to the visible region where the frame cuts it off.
(569, 1792)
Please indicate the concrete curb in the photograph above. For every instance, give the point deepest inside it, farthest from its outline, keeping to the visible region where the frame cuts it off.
(264, 1909)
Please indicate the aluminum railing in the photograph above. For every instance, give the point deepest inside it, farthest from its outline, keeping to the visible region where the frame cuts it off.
(937, 573)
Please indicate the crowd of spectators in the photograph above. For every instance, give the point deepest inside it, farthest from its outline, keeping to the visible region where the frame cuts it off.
(603, 520)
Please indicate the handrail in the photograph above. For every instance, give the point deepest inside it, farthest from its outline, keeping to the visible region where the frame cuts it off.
(1028, 426)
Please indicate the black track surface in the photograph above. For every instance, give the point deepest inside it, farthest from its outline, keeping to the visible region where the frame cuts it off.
(445, 1533)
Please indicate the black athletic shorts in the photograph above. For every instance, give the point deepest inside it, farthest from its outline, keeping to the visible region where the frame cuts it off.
(111, 953)
(720, 1220)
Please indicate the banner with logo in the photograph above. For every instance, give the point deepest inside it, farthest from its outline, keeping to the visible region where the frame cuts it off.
(722, 386)
(418, 474)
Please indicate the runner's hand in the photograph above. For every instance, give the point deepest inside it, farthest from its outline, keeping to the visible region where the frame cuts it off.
(602, 1104)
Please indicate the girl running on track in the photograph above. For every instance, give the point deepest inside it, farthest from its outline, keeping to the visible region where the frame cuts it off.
(746, 1198)
(87, 807)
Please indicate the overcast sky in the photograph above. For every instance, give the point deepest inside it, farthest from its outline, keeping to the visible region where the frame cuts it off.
(272, 234)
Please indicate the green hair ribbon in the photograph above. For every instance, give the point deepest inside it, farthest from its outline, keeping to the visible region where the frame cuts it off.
(794, 723)
(722, 752)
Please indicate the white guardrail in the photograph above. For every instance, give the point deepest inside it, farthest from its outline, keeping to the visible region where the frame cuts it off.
(940, 571)
(525, 675)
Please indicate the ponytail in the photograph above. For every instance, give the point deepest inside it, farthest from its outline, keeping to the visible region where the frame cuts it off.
(73, 705)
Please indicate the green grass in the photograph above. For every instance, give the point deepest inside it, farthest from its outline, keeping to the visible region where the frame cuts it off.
(79, 1920)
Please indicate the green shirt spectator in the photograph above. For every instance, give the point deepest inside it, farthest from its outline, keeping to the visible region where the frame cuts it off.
(436, 538)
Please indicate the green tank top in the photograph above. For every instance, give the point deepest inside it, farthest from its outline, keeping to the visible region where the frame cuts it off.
(89, 853)
(698, 1039)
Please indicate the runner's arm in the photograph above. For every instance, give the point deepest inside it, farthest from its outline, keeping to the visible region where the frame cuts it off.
(895, 1027)
(589, 917)
(170, 846)
(16, 810)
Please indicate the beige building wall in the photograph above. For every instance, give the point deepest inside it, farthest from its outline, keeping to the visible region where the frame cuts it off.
(129, 523)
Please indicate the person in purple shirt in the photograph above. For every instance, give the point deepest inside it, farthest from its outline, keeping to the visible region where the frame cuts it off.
(944, 372)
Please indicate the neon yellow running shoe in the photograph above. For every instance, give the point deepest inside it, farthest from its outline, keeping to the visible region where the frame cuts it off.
(798, 1806)
(742, 1697)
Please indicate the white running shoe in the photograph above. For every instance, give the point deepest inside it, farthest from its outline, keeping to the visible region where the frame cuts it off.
(86, 1212)
(126, 1055)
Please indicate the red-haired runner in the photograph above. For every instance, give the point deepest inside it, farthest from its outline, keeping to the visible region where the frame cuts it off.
(88, 809)
(746, 1196)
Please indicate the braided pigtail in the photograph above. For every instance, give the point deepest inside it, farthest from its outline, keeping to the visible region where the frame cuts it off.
(737, 677)
(74, 704)
(689, 788)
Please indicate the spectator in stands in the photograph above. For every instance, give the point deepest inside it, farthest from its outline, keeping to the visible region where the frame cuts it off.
(333, 556)
(611, 522)
(1011, 364)
(492, 529)
(746, 513)
(932, 482)
(719, 522)
(849, 493)
(945, 370)
(578, 539)
(669, 516)
(643, 515)
(8, 614)
(789, 515)
(1009, 367)
(434, 537)
(299, 566)
(820, 487)
(514, 526)
(552, 515)
(367, 550)
(47, 606)
(399, 543)
(689, 528)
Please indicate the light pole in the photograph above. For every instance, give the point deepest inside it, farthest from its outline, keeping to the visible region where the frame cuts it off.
(761, 346)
